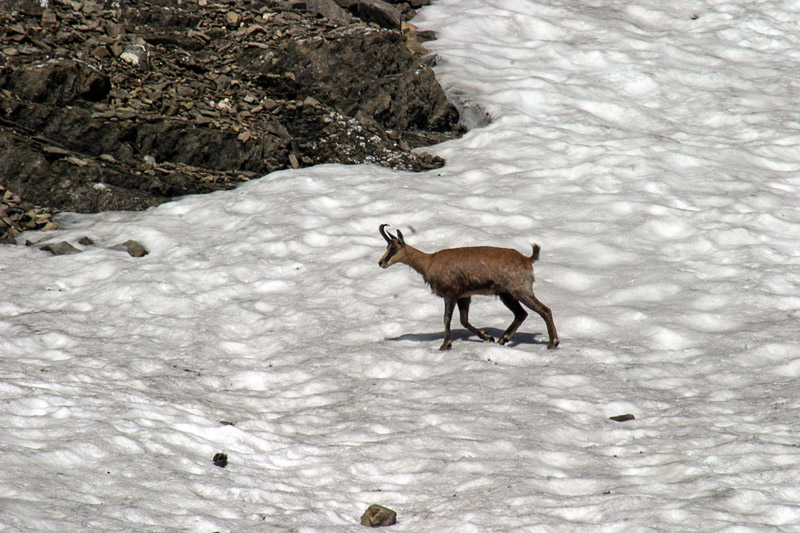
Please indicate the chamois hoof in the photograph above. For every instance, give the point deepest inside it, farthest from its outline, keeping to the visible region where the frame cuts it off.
(552, 345)
(446, 345)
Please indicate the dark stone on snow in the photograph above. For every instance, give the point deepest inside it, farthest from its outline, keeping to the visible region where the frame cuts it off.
(378, 516)
(220, 460)
(623, 418)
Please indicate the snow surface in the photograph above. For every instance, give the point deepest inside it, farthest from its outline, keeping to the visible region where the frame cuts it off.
(652, 149)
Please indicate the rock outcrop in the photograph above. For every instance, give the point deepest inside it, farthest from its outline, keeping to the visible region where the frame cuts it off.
(124, 105)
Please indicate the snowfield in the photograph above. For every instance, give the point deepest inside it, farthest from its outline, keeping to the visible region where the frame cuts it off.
(652, 150)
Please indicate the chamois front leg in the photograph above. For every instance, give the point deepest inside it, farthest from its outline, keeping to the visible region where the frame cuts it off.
(463, 309)
(449, 306)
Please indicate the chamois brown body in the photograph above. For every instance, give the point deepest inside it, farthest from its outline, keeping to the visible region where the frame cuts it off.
(459, 272)
(456, 274)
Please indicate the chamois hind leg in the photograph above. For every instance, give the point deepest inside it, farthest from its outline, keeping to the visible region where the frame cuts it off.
(463, 309)
(449, 306)
(519, 315)
(530, 300)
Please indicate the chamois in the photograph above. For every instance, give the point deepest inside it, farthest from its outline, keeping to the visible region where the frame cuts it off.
(456, 274)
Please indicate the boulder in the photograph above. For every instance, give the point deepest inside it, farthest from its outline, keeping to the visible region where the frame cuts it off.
(57, 82)
(60, 248)
(380, 12)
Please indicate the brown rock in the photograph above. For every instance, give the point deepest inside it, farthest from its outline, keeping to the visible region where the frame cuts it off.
(328, 9)
(378, 516)
(60, 248)
(232, 18)
(55, 150)
(133, 248)
(49, 18)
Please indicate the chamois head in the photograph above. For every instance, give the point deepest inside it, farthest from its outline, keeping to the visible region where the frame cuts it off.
(395, 248)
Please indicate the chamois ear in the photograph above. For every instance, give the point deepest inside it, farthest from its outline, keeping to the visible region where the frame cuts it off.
(400, 238)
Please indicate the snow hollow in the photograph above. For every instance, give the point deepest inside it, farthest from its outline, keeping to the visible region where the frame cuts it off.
(651, 149)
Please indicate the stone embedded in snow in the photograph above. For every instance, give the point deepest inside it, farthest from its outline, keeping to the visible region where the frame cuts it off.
(623, 418)
(60, 248)
(133, 248)
(220, 460)
(378, 516)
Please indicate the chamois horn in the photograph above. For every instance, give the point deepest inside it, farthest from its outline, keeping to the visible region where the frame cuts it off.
(389, 238)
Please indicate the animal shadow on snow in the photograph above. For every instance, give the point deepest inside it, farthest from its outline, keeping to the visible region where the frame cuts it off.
(464, 335)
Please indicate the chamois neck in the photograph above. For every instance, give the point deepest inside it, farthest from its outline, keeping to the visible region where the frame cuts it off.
(417, 259)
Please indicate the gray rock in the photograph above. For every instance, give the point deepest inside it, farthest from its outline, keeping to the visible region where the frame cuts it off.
(328, 9)
(58, 82)
(137, 55)
(381, 13)
(60, 248)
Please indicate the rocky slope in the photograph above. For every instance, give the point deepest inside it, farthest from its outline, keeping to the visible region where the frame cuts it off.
(127, 104)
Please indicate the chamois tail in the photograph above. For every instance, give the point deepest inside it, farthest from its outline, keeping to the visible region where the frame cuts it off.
(535, 256)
